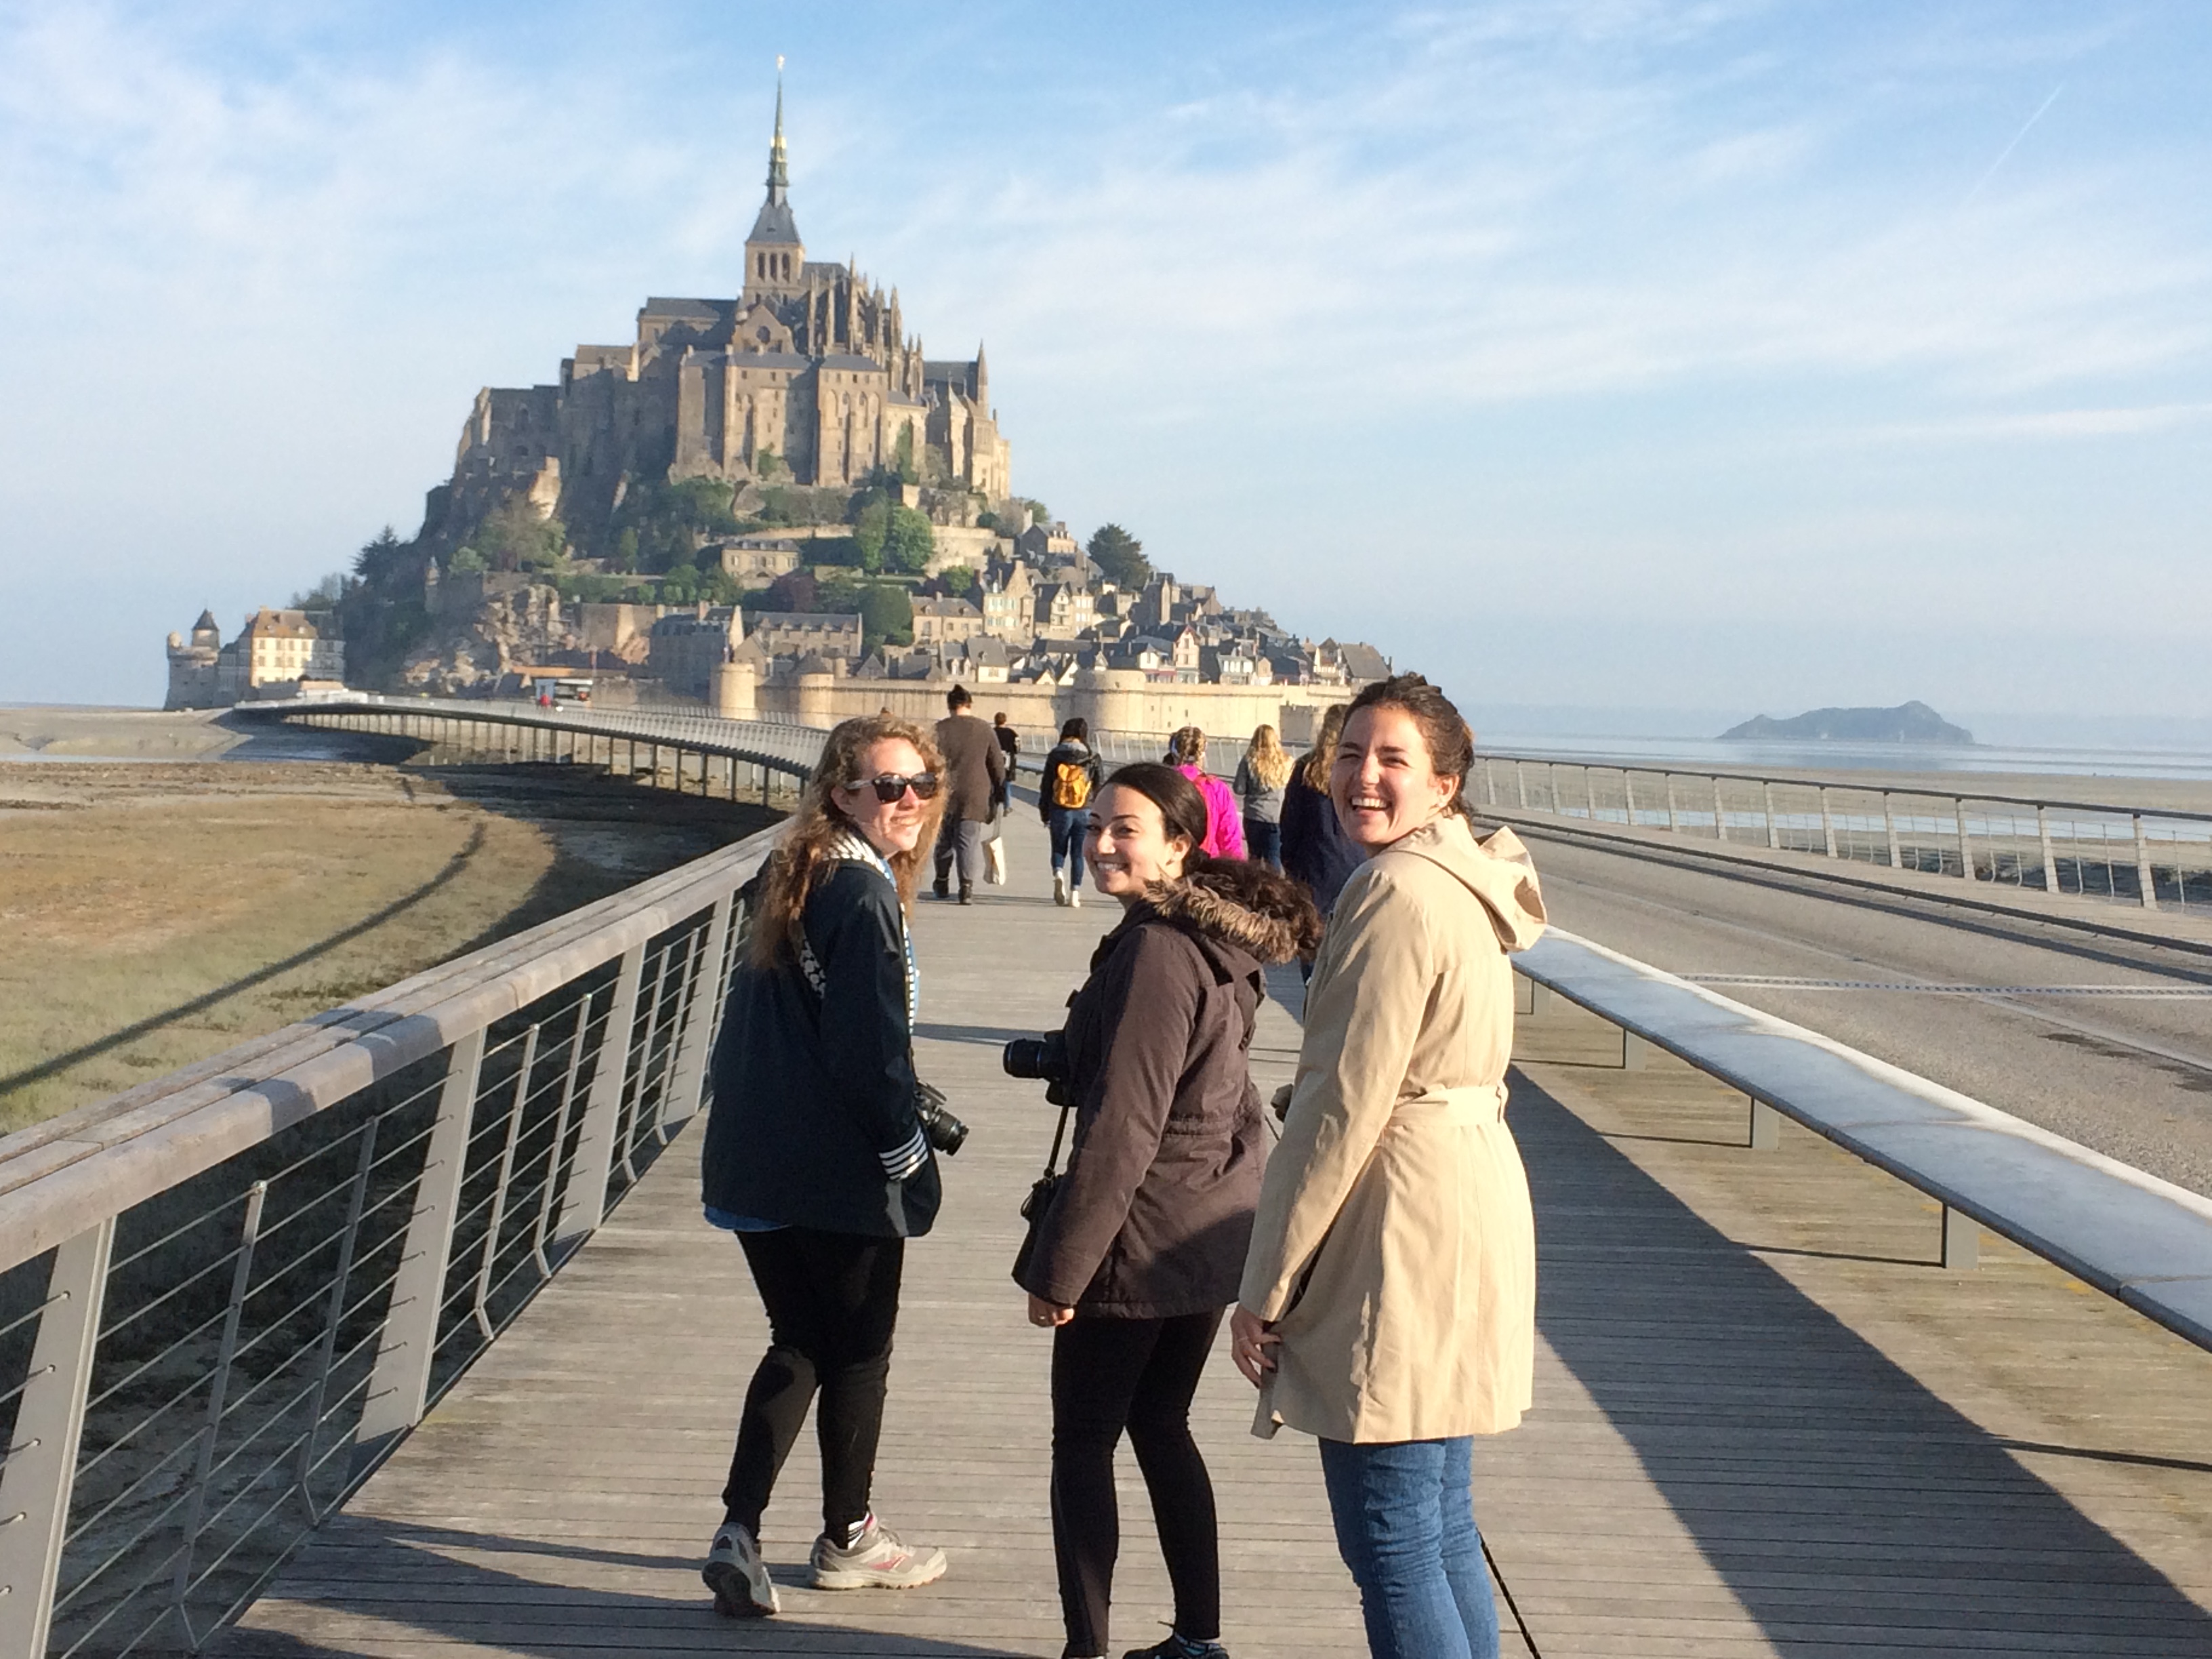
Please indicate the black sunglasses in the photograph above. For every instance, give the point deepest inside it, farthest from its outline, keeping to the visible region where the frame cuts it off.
(890, 786)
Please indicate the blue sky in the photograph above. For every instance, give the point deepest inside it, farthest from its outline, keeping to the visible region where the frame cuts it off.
(1729, 356)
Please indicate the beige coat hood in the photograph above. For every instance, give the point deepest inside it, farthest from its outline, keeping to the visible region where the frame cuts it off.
(1395, 1249)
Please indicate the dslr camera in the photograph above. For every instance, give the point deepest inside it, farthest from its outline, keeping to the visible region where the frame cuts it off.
(1045, 1059)
(938, 1126)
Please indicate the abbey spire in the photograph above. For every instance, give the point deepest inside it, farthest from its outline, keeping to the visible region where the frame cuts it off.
(775, 259)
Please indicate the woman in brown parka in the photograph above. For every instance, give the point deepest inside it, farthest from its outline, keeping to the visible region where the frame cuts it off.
(1388, 1301)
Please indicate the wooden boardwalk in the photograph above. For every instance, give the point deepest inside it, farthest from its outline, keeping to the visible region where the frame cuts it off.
(1765, 1424)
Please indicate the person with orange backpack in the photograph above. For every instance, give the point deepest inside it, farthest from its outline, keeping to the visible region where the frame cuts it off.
(1070, 777)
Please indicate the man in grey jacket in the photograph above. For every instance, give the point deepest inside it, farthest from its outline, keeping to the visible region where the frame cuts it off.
(974, 772)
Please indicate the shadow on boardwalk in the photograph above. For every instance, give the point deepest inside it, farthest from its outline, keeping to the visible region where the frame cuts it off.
(1842, 1505)
(440, 1590)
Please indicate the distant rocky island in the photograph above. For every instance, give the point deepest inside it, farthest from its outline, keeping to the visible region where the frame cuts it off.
(1910, 722)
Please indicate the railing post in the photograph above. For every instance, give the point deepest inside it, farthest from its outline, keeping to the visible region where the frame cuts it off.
(1962, 1242)
(584, 1206)
(701, 1016)
(1489, 782)
(500, 1183)
(1966, 845)
(1521, 783)
(1773, 829)
(1889, 827)
(2050, 857)
(1827, 822)
(1720, 813)
(2142, 866)
(1766, 1129)
(241, 1282)
(1628, 796)
(1589, 792)
(399, 1387)
(1673, 817)
(41, 1472)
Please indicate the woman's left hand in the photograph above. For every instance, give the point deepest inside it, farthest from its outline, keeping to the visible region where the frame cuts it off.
(1252, 1344)
(1045, 1313)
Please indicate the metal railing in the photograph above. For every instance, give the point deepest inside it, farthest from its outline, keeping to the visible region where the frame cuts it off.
(2129, 855)
(225, 1295)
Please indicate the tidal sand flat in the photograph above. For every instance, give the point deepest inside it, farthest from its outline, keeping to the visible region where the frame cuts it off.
(158, 914)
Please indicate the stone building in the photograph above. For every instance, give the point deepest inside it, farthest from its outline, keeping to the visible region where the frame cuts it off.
(946, 622)
(276, 653)
(808, 633)
(809, 375)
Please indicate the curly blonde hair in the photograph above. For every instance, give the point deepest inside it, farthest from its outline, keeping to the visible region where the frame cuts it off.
(1270, 762)
(801, 858)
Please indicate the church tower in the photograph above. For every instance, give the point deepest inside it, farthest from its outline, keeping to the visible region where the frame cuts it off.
(775, 259)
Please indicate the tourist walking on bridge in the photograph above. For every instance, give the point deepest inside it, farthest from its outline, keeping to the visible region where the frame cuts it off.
(1315, 849)
(974, 772)
(816, 1155)
(1141, 1246)
(1389, 1304)
(1224, 820)
(1259, 783)
(1070, 778)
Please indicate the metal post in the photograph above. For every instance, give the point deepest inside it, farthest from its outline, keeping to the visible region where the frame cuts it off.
(500, 1185)
(547, 1188)
(763, 772)
(399, 1388)
(2142, 866)
(1889, 827)
(1589, 792)
(1773, 829)
(1521, 783)
(1765, 1132)
(1962, 1242)
(1628, 795)
(1720, 813)
(241, 1279)
(1966, 845)
(2050, 857)
(701, 1016)
(1635, 1051)
(1827, 822)
(584, 1206)
(1489, 782)
(1673, 818)
(334, 1316)
(41, 1472)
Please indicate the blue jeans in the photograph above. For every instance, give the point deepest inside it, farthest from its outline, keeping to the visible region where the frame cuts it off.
(1263, 843)
(1404, 1525)
(1069, 824)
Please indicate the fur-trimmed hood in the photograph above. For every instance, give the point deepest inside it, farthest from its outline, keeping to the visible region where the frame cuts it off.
(1246, 905)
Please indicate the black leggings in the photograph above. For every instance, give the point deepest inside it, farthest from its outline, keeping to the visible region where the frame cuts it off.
(832, 1299)
(1109, 1374)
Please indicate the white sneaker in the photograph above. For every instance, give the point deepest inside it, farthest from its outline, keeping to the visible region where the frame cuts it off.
(876, 1560)
(1060, 887)
(737, 1575)
(1075, 898)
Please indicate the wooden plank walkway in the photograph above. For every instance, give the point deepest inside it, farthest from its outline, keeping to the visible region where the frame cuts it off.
(1765, 1424)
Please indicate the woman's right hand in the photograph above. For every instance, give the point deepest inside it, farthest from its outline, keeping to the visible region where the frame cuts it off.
(1252, 1344)
(1048, 1314)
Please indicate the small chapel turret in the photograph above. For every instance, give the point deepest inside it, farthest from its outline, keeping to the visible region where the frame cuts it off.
(775, 259)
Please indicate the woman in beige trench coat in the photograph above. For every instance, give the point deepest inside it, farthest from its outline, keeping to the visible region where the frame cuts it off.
(1388, 1302)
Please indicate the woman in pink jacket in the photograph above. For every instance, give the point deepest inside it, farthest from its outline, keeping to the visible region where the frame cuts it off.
(1225, 818)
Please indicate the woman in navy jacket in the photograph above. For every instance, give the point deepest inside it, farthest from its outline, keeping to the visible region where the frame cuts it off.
(815, 1155)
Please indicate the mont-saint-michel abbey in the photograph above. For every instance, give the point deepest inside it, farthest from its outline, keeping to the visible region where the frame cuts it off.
(779, 504)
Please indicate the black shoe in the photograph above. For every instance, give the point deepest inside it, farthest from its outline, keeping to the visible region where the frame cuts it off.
(967, 892)
(1179, 1647)
(943, 888)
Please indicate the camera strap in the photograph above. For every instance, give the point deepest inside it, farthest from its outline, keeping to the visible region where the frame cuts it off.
(1058, 1133)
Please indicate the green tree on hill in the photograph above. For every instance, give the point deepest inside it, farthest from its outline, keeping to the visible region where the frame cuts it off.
(910, 541)
(1121, 556)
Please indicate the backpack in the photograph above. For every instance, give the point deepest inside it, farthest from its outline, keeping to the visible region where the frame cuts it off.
(1070, 784)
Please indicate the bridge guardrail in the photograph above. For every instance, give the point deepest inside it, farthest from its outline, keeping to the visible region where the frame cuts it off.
(226, 1294)
(2132, 855)
(2144, 1241)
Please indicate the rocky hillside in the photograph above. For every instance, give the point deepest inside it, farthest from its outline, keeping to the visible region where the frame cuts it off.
(1910, 722)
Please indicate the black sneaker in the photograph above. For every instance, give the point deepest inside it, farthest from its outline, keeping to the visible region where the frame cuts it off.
(942, 888)
(1175, 1646)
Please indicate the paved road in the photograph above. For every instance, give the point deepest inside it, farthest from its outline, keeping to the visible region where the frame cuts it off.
(2121, 1061)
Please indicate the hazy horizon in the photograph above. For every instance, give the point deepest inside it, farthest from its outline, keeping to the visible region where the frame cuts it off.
(1598, 353)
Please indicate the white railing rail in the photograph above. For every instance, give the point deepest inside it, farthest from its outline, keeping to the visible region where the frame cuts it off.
(226, 1294)
(2131, 854)
(2130, 1235)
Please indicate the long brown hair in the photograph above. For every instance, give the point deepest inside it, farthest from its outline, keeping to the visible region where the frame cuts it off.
(1449, 739)
(1270, 764)
(801, 858)
(1313, 770)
